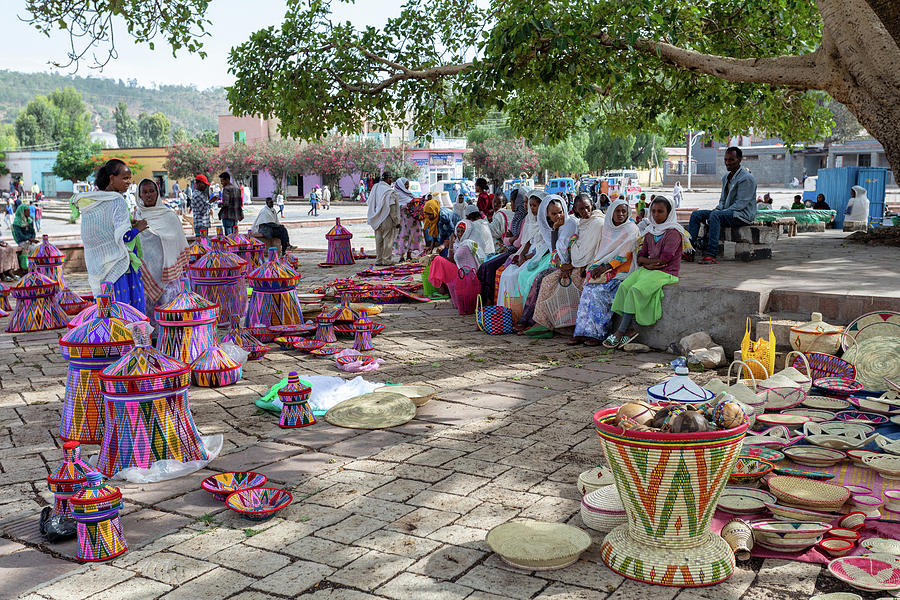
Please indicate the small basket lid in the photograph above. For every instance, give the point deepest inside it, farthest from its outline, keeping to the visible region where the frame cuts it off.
(214, 360)
(100, 336)
(67, 296)
(187, 306)
(294, 391)
(46, 254)
(679, 388)
(118, 310)
(71, 473)
(144, 369)
(816, 326)
(217, 263)
(242, 337)
(338, 232)
(198, 249)
(364, 323)
(273, 273)
(95, 495)
(34, 284)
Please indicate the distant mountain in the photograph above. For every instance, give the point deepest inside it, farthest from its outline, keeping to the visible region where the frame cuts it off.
(183, 105)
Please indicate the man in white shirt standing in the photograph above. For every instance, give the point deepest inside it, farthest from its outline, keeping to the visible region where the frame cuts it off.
(326, 197)
(384, 217)
(267, 225)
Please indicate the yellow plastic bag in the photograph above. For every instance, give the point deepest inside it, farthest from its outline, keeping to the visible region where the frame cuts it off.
(763, 350)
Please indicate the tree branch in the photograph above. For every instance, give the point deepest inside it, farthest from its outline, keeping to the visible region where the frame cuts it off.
(888, 11)
(790, 71)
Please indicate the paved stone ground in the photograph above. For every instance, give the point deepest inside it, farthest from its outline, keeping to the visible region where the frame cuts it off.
(401, 513)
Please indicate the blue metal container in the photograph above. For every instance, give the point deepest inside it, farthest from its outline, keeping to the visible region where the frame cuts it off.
(835, 184)
(874, 180)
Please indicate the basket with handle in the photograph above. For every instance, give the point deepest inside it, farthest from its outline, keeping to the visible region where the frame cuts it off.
(515, 305)
(762, 350)
(464, 291)
(493, 320)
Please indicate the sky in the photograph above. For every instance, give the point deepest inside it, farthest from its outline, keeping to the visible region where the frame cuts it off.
(26, 49)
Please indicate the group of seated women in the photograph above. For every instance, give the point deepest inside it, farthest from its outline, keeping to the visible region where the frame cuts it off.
(557, 270)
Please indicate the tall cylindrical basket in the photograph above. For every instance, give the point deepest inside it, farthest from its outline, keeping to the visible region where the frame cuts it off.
(670, 485)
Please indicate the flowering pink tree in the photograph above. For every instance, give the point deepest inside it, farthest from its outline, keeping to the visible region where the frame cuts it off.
(279, 158)
(239, 159)
(499, 159)
(188, 160)
(332, 158)
(396, 160)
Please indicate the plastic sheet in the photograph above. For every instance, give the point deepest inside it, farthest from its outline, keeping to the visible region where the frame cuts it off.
(235, 352)
(162, 470)
(328, 391)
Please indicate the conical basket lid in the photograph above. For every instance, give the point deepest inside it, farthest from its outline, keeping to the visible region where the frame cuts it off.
(274, 271)
(214, 360)
(144, 369)
(33, 284)
(96, 495)
(216, 263)
(338, 231)
(46, 254)
(187, 306)
(295, 390)
(100, 336)
(71, 472)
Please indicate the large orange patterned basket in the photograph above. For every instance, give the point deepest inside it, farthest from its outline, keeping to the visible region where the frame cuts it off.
(669, 485)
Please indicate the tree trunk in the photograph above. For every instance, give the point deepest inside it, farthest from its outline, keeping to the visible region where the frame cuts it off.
(862, 60)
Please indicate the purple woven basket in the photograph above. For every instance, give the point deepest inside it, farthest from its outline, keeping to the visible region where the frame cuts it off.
(825, 365)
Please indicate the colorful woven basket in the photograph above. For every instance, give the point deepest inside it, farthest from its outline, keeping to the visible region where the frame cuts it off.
(47, 260)
(239, 336)
(258, 504)
(493, 320)
(274, 299)
(669, 485)
(825, 365)
(214, 368)
(218, 276)
(69, 477)
(37, 308)
(187, 326)
(72, 303)
(221, 485)
(339, 250)
(117, 310)
(295, 411)
(839, 387)
(602, 509)
(96, 509)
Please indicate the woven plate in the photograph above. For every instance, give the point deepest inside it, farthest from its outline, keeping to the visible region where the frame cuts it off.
(826, 403)
(744, 500)
(419, 393)
(809, 493)
(813, 456)
(838, 386)
(883, 323)
(377, 410)
(875, 359)
(792, 513)
(860, 418)
(764, 453)
(866, 573)
(886, 545)
(813, 414)
(536, 545)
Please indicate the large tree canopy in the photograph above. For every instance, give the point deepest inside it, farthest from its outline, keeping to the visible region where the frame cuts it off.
(724, 66)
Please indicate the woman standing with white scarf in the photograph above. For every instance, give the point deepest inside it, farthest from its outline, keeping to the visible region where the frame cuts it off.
(109, 237)
(164, 246)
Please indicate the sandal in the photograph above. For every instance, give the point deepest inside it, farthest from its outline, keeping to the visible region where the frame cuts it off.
(592, 342)
(709, 260)
(611, 342)
(627, 339)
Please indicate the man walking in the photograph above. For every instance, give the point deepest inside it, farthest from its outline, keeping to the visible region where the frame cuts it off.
(232, 211)
(737, 206)
(200, 206)
(326, 197)
(384, 217)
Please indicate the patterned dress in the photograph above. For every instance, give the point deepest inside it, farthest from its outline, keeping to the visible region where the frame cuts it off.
(410, 239)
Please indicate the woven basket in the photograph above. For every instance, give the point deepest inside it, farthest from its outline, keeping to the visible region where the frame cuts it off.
(493, 320)
(670, 485)
(602, 509)
(823, 365)
(536, 545)
(808, 493)
(875, 359)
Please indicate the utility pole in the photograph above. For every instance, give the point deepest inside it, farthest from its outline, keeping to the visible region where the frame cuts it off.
(692, 137)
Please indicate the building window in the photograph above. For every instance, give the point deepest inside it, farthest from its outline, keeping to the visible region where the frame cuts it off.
(751, 157)
(240, 136)
(777, 157)
(865, 160)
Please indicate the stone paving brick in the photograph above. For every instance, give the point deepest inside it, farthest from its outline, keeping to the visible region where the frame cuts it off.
(791, 576)
(324, 551)
(552, 509)
(444, 501)
(291, 469)
(94, 579)
(382, 510)
(209, 541)
(423, 521)
(731, 589)
(585, 574)
(250, 560)
(350, 529)
(399, 452)
(514, 585)
(294, 579)
(370, 570)
(218, 583)
(460, 483)
(435, 457)
(487, 515)
(395, 542)
(171, 568)
(367, 444)
(410, 585)
(449, 413)
(338, 594)
(482, 468)
(255, 456)
(280, 535)
(419, 472)
(559, 591)
(337, 495)
(459, 535)
(368, 465)
(447, 562)
(194, 504)
(136, 588)
(399, 490)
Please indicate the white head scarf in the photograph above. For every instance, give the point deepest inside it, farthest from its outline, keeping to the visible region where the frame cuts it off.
(530, 231)
(590, 232)
(403, 194)
(858, 206)
(671, 221)
(163, 223)
(546, 229)
(616, 240)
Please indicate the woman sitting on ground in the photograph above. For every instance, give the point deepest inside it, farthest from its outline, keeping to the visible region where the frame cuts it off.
(439, 225)
(557, 305)
(534, 248)
(163, 245)
(487, 272)
(500, 221)
(609, 268)
(639, 297)
(820, 203)
(23, 233)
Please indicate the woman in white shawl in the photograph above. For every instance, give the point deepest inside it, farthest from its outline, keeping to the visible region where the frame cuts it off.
(409, 239)
(858, 205)
(501, 222)
(109, 236)
(531, 247)
(164, 247)
(560, 292)
(610, 266)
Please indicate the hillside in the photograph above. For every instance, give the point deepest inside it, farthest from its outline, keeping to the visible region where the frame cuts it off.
(184, 105)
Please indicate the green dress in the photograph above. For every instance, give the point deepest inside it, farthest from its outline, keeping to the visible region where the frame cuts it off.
(641, 295)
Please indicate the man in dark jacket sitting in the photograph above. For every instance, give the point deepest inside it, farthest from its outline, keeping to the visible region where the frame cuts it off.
(737, 205)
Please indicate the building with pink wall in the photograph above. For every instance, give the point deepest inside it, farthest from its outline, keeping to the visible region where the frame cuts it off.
(440, 160)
